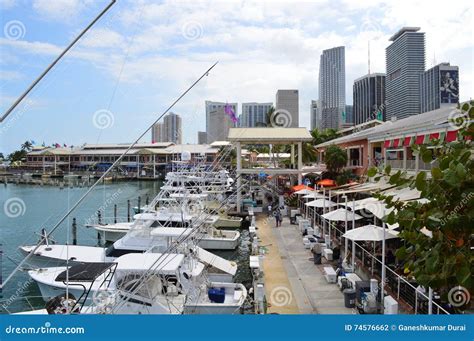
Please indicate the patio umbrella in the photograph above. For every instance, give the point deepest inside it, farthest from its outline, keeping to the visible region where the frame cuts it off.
(341, 214)
(300, 187)
(304, 191)
(313, 195)
(326, 183)
(320, 203)
(372, 233)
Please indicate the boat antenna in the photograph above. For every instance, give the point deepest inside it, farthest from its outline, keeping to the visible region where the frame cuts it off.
(119, 159)
(37, 80)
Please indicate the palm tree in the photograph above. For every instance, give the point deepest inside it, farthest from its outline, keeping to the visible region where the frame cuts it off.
(27, 146)
(324, 136)
(268, 119)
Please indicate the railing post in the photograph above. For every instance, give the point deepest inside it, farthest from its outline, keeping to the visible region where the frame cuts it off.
(139, 204)
(128, 210)
(99, 217)
(74, 231)
(115, 214)
(398, 290)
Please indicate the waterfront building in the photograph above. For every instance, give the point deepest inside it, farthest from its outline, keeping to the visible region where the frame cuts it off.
(332, 92)
(143, 160)
(390, 143)
(218, 122)
(287, 101)
(405, 63)
(254, 114)
(439, 87)
(369, 98)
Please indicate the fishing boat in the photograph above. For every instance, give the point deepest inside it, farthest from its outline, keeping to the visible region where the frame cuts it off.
(144, 283)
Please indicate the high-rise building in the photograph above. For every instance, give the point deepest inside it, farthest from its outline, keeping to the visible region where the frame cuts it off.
(369, 98)
(218, 121)
(314, 115)
(157, 133)
(254, 114)
(332, 91)
(286, 109)
(439, 87)
(202, 137)
(348, 116)
(172, 130)
(405, 62)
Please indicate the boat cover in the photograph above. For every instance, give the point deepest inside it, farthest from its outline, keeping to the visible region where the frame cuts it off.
(84, 272)
(216, 261)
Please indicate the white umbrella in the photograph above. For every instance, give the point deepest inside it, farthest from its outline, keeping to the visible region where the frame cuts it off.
(303, 191)
(313, 195)
(370, 233)
(320, 203)
(341, 214)
(373, 233)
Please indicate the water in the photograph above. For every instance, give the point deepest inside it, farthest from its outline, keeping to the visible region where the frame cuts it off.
(26, 209)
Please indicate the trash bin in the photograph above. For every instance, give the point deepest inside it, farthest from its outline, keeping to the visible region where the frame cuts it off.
(349, 298)
(317, 258)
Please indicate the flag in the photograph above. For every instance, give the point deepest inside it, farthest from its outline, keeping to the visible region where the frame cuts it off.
(64, 145)
(33, 142)
(57, 145)
(44, 144)
(228, 110)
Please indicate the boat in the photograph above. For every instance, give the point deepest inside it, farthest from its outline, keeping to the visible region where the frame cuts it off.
(144, 283)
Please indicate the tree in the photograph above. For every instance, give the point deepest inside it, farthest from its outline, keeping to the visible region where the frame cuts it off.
(17, 155)
(323, 136)
(443, 260)
(1, 157)
(27, 146)
(335, 159)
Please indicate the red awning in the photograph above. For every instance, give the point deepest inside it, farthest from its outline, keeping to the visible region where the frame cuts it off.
(419, 139)
(386, 144)
(300, 187)
(434, 136)
(407, 141)
(395, 143)
(326, 183)
(451, 136)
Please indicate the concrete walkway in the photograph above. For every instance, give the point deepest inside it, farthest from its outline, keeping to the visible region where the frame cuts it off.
(289, 265)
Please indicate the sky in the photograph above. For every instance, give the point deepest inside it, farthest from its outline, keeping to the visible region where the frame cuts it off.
(142, 55)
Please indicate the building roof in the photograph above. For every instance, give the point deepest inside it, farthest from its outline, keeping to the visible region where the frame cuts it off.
(428, 121)
(269, 135)
(267, 155)
(220, 143)
(192, 148)
(126, 145)
(402, 31)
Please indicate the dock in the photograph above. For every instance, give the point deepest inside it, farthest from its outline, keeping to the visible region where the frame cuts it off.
(293, 283)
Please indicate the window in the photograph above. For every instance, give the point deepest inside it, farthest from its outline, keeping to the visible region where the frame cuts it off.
(395, 74)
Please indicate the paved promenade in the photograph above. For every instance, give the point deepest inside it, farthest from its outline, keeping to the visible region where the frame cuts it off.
(294, 284)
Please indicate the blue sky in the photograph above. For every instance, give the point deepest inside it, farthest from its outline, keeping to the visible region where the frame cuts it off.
(143, 54)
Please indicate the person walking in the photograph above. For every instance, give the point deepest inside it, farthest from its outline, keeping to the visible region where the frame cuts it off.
(269, 210)
(278, 217)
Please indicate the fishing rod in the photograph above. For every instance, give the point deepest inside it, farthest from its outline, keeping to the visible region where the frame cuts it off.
(61, 55)
(119, 159)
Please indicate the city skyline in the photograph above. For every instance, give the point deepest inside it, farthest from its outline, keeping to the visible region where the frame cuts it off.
(98, 80)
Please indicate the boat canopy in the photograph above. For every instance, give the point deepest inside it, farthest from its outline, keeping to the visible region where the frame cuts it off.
(216, 261)
(171, 231)
(158, 262)
(84, 272)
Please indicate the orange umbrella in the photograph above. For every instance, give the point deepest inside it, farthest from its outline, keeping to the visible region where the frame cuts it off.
(300, 187)
(326, 183)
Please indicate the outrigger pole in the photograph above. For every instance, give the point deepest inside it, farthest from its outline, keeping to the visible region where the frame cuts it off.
(27, 91)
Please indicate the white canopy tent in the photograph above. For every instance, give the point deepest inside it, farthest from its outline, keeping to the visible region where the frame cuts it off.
(320, 203)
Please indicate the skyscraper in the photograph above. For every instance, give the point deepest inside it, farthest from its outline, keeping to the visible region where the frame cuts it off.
(405, 62)
(348, 116)
(172, 130)
(287, 109)
(202, 137)
(439, 87)
(314, 114)
(157, 133)
(332, 92)
(254, 114)
(369, 98)
(217, 121)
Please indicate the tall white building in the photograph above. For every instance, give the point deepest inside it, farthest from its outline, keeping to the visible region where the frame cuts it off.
(202, 137)
(287, 101)
(157, 133)
(254, 114)
(172, 129)
(217, 121)
(332, 89)
(168, 131)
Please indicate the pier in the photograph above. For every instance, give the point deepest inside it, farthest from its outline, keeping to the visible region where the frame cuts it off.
(294, 284)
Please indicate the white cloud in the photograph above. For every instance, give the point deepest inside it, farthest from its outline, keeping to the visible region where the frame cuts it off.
(62, 10)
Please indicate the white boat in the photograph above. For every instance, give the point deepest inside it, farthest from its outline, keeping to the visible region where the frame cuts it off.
(139, 241)
(228, 221)
(112, 232)
(145, 283)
